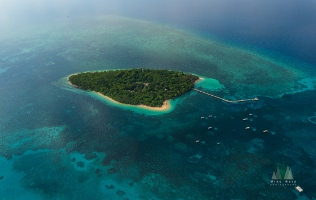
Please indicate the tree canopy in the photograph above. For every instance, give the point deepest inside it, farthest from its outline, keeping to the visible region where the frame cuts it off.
(149, 87)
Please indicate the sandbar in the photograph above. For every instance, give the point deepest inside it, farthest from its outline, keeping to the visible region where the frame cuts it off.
(200, 79)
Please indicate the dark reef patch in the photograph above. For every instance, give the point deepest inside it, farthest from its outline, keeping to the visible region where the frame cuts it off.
(80, 164)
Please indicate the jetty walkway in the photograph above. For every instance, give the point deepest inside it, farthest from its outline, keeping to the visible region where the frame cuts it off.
(225, 100)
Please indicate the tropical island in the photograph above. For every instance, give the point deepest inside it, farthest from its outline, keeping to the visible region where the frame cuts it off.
(149, 87)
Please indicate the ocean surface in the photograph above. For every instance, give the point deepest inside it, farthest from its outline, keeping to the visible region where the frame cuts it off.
(58, 142)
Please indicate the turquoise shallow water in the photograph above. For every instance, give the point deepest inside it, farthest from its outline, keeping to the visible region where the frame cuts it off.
(58, 142)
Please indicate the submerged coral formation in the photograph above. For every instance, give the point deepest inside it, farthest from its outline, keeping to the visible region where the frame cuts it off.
(312, 119)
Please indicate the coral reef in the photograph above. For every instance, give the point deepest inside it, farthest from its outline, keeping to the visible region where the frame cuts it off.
(18, 142)
(255, 145)
(179, 146)
(312, 119)
(195, 158)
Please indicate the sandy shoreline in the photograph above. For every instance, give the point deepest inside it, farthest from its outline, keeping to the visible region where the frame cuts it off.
(200, 79)
(165, 106)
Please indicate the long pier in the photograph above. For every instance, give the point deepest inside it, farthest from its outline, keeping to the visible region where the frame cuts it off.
(225, 100)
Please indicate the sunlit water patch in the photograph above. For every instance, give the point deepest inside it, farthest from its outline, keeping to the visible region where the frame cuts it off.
(2, 70)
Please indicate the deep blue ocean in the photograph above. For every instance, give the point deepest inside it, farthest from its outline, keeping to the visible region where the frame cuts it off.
(59, 142)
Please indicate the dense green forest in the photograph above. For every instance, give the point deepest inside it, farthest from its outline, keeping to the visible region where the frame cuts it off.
(136, 86)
